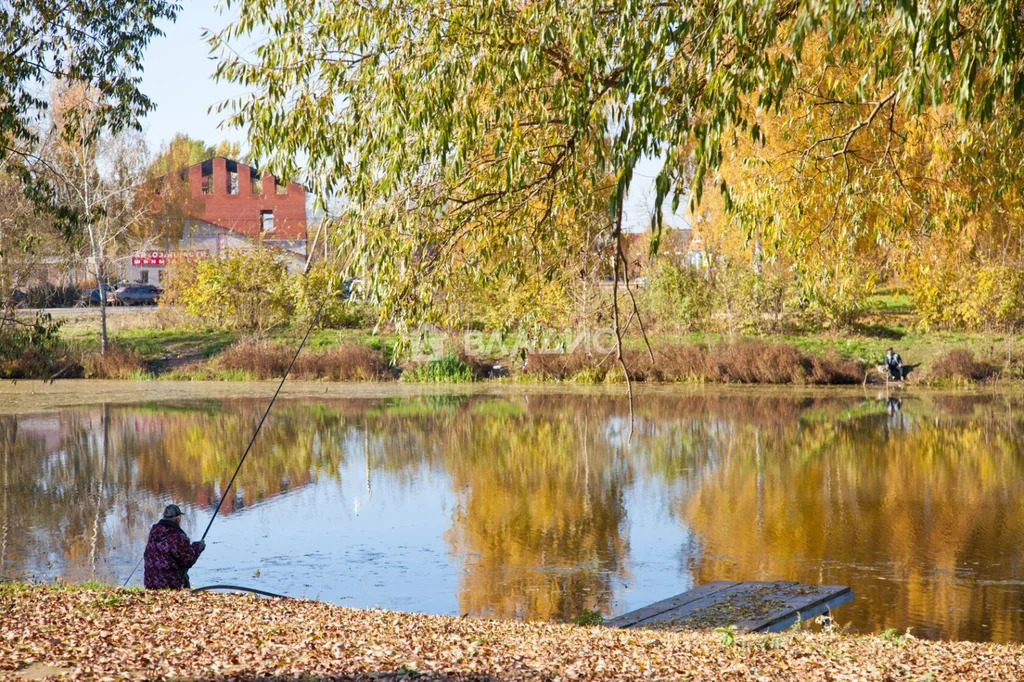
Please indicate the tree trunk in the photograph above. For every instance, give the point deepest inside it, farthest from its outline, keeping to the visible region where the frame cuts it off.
(102, 284)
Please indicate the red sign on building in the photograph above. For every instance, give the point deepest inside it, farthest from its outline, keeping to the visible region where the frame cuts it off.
(160, 258)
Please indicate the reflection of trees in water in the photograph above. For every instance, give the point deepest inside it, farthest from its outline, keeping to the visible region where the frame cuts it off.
(82, 483)
(55, 503)
(539, 518)
(818, 489)
(902, 515)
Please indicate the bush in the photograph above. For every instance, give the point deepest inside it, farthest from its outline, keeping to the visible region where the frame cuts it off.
(252, 290)
(350, 362)
(33, 350)
(50, 296)
(245, 290)
(959, 365)
(984, 297)
(679, 298)
(450, 368)
(322, 285)
(117, 363)
(749, 362)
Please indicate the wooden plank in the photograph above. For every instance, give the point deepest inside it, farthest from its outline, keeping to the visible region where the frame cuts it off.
(628, 620)
(717, 607)
(803, 606)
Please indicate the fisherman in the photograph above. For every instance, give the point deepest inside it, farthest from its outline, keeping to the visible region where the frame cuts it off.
(894, 363)
(169, 554)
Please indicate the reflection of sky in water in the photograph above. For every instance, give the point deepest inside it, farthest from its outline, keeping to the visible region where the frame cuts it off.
(337, 542)
(541, 506)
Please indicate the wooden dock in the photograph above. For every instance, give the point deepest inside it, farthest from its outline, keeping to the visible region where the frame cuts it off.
(750, 606)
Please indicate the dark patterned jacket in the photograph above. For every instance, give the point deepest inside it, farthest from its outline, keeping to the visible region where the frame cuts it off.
(168, 557)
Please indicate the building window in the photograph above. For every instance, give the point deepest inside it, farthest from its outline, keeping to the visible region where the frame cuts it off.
(257, 183)
(266, 221)
(145, 276)
(233, 182)
(207, 185)
(280, 187)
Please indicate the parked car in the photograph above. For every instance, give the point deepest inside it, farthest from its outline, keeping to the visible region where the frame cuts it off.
(92, 297)
(135, 294)
(19, 299)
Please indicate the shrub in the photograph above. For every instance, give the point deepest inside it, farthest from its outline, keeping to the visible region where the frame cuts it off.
(33, 349)
(960, 365)
(117, 363)
(679, 298)
(323, 285)
(450, 368)
(350, 362)
(245, 290)
(259, 360)
(51, 296)
(977, 297)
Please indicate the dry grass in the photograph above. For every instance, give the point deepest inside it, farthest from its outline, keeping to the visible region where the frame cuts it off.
(747, 362)
(349, 362)
(263, 360)
(562, 366)
(118, 363)
(38, 364)
(960, 366)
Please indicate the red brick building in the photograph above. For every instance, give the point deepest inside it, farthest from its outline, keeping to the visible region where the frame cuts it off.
(236, 197)
(219, 205)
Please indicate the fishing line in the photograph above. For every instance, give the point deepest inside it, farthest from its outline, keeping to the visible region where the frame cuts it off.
(264, 418)
(255, 433)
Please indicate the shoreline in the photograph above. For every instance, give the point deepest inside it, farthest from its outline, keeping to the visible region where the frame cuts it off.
(86, 633)
(33, 395)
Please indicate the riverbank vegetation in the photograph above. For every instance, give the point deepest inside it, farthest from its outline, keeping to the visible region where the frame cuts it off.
(830, 190)
(169, 343)
(109, 632)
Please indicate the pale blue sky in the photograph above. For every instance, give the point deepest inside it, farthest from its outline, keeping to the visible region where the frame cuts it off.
(178, 77)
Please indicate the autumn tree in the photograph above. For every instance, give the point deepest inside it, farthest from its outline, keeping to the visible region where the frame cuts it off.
(99, 44)
(95, 174)
(461, 132)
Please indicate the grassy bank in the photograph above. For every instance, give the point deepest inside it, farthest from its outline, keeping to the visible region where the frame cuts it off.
(182, 353)
(68, 631)
(160, 344)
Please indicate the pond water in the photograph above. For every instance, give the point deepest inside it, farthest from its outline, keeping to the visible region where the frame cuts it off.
(538, 505)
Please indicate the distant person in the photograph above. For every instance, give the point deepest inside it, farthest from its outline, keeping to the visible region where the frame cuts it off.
(894, 363)
(169, 553)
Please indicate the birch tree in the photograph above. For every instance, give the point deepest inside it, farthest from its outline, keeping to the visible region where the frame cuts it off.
(96, 174)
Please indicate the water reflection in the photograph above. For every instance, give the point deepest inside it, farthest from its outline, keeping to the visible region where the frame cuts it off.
(539, 507)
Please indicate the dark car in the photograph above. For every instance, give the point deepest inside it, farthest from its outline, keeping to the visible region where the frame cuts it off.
(135, 294)
(92, 297)
(19, 298)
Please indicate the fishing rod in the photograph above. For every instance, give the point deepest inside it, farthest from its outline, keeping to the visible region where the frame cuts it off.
(255, 433)
(264, 418)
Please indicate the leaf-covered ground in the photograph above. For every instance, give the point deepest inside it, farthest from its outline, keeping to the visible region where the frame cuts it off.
(109, 634)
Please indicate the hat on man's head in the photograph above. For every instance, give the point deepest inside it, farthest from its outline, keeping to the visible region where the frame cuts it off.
(172, 511)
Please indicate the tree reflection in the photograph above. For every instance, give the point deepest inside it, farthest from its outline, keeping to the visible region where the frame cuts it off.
(924, 520)
(917, 505)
